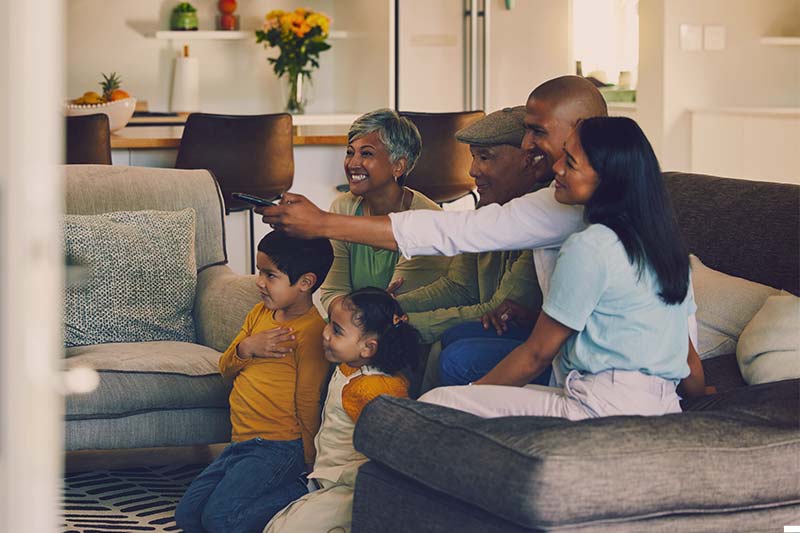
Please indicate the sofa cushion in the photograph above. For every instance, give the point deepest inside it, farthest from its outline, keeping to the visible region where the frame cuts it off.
(388, 502)
(162, 357)
(140, 280)
(546, 472)
(150, 429)
(147, 376)
(769, 346)
(725, 304)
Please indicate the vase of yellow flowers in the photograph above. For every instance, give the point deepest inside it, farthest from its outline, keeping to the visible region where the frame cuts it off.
(300, 36)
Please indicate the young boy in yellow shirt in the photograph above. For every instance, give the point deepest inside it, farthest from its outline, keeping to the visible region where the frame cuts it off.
(278, 369)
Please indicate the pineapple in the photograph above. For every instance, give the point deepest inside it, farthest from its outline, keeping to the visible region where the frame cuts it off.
(109, 85)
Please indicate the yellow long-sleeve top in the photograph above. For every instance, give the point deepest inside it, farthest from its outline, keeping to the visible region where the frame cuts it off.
(278, 399)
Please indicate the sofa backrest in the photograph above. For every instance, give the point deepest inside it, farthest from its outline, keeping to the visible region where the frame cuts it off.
(95, 189)
(748, 229)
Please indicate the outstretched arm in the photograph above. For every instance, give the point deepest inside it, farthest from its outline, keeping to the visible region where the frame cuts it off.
(535, 220)
(297, 216)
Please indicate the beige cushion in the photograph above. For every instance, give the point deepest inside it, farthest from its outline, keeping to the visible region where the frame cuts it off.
(725, 304)
(769, 346)
(163, 357)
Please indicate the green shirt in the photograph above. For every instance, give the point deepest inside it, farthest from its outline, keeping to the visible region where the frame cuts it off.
(473, 285)
(370, 267)
(356, 266)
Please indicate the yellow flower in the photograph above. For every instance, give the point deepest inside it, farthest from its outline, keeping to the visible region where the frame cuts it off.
(286, 23)
(302, 11)
(275, 14)
(318, 19)
(298, 25)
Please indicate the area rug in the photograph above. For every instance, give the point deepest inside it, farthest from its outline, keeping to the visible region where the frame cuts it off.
(125, 500)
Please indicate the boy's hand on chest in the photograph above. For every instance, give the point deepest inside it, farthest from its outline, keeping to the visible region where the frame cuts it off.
(273, 343)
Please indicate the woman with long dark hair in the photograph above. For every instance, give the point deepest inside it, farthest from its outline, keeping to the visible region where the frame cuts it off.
(614, 324)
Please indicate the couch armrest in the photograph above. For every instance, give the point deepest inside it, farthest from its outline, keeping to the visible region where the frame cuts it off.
(548, 473)
(221, 304)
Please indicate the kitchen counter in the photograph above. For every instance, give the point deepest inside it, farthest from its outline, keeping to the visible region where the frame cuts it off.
(154, 137)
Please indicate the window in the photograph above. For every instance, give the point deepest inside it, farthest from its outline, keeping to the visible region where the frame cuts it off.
(605, 38)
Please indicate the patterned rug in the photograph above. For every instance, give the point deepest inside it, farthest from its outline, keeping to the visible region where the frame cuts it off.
(125, 500)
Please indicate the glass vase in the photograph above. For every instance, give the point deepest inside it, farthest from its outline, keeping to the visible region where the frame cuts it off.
(295, 98)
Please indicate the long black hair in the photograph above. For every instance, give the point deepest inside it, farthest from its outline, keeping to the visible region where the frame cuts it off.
(376, 311)
(632, 200)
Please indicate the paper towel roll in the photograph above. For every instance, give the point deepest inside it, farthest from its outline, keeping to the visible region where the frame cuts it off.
(185, 85)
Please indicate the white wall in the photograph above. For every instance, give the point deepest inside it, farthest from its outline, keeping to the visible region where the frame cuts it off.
(746, 73)
(529, 45)
(112, 35)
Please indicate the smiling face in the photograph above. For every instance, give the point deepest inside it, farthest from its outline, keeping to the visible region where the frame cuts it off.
(547, 126)
(276, 291)
(367, 165)
(343, 341)
(575, 179)
(503, 172)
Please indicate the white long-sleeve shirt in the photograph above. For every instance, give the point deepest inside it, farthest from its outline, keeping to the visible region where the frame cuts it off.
(534, 221)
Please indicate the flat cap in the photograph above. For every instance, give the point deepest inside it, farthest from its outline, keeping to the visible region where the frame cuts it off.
(501, 127)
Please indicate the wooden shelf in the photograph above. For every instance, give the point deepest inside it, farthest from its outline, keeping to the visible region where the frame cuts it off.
(206, 35)
(781, 41)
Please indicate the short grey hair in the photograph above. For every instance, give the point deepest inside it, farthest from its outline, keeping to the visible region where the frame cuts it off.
(398, 134)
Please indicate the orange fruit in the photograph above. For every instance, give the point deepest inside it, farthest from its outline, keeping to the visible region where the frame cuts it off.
(119, 94)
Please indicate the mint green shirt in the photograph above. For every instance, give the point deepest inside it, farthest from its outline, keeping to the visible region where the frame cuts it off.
(370, 267)
(356, 266)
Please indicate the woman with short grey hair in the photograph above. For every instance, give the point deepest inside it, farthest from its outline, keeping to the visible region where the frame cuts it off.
(382, 148)
(398, 134)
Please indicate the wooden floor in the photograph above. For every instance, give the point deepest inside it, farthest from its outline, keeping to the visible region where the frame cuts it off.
(85, 460)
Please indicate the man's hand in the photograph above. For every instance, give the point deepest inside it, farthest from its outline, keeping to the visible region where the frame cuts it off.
(508, 312)
(296, 215)
(266, 344)
(394, 286)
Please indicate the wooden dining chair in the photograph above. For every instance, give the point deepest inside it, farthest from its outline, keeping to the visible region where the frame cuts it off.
(88, 140)
(246, 153)
(442, 170)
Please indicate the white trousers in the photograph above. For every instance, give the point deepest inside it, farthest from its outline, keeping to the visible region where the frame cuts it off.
(327, 510)
(614, 392)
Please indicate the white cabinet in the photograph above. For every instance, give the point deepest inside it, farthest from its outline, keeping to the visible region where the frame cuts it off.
(748, 143)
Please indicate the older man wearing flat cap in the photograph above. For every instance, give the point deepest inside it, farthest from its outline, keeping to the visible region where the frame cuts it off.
(460, 307)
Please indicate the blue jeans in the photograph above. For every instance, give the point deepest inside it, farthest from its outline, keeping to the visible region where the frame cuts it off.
(469, 352)
(244, 487)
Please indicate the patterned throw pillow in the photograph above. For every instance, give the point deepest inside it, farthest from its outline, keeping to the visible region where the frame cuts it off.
(140, 277)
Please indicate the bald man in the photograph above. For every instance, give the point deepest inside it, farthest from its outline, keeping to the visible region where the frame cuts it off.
(534, 220)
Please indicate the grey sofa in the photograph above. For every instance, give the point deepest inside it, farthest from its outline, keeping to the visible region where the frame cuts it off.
(164, 393)
(729, 462)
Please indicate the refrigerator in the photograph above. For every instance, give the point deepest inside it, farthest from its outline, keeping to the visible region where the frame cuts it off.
(440, 49)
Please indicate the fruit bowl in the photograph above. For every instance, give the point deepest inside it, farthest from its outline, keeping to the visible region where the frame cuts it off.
(119, 111)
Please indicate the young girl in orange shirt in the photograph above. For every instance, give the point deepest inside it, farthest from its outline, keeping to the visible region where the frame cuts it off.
(369, 336)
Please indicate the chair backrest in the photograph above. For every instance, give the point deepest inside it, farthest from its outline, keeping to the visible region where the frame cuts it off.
(88, 140)
(442, 170)
(251, 154)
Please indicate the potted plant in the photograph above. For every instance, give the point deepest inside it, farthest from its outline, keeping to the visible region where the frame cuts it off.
(184, 17)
